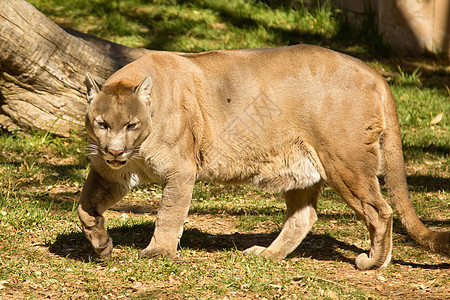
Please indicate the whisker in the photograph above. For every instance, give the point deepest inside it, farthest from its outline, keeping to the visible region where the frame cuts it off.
(136, 157)
(92, 149)
(135, 154)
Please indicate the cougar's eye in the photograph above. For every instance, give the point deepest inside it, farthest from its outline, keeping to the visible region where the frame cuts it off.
(103, 125)
(132, 126)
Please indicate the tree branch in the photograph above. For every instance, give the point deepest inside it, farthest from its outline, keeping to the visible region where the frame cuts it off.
(43, 66)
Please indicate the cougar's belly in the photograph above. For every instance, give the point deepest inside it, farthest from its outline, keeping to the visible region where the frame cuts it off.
(271, 171)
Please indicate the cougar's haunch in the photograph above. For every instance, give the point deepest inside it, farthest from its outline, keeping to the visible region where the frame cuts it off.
(284, 119)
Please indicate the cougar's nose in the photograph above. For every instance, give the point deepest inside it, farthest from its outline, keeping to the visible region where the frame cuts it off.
(115, 153)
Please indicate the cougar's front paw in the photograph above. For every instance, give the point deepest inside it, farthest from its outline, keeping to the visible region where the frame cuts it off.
(102, 245)
(152, 252)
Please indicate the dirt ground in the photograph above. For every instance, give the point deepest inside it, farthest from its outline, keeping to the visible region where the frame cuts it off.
(408, 279)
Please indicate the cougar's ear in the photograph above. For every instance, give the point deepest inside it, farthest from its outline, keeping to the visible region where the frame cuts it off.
(92, 88)
(143, 90)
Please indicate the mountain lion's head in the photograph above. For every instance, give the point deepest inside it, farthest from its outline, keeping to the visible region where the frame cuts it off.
(118, 119)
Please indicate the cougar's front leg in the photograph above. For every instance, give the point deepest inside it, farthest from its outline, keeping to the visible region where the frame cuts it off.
(97, 196)
(173, 210)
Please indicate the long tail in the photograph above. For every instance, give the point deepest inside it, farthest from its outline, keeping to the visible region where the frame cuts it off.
(395, 178)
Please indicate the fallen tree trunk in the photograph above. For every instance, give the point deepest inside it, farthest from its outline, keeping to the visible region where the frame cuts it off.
(43, 66)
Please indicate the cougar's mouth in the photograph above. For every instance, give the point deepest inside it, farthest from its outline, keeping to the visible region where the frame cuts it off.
(116, 164)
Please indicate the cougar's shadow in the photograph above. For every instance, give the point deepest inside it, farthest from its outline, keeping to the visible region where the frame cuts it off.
(75, 246)
(322, 247)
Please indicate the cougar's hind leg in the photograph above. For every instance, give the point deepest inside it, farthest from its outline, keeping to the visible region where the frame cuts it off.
(362, 193)
(300, 217)
(97, 196)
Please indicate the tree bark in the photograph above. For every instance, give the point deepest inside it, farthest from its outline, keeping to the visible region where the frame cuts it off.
(43, 67)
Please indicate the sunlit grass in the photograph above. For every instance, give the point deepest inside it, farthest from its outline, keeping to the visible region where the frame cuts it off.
(194, 25)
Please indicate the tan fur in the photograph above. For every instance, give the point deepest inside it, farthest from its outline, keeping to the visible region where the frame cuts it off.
(284, 119)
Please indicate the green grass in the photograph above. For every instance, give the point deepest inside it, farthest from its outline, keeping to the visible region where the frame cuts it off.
(208, 24)
(43, 253)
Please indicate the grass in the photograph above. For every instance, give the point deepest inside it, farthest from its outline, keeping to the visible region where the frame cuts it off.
(205, 24)
(43, 253)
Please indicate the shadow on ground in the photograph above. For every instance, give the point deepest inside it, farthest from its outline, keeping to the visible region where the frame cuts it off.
(315, 246)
